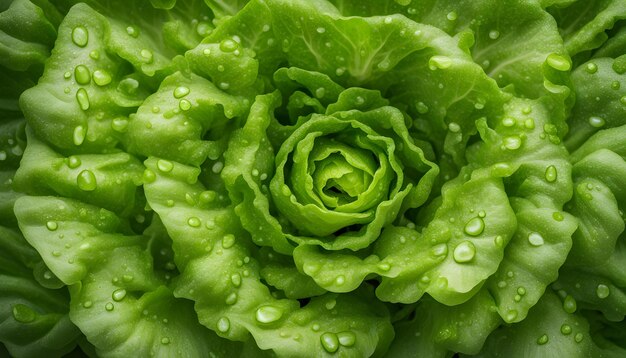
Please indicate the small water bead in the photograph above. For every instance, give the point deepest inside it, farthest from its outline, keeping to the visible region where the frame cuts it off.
(535, 239)
(228, 241)
(119, 124)
(529, 123)
(132, 31)
(439, 62)
(217, 167)
(454, 127)
(340, 280)
(557, 216)
(508, 122)
(95, 55)
(320, 30)
(118, 295)
(235, 279)
(223, 325)
(87, 304)
(498, 241)
(82, 74)
(452, 15)
(194, 222)
(510, 316)
(228, 45)
(439, 250)
(203, 29)
(224, 85)
(165, 165)
(591, 68)
(52, 225)
(181, 91)
(474, 226)
(101, 77)
(80, 36)
(330, 342)
(569, 304)
(421, 107)
(596, 122)
(268, 314)
(320, 92)
(464, 252)
(502, 284)
(494, 34)
(603, 291)
(615, 85)
(566, 329)
(184, 105)
(23, 313)
(231, 299)
(83, 99)
(165, 341)
(543, 339)
(558, 62)
(109, 306)
(86, 181)
(512, 142)
(578, 337)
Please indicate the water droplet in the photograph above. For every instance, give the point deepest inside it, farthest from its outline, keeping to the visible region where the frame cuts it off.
(439, 250)
(130, 30)
(118, 295)
(268, 314)
(223, 324)
(474, 227)
(165, 341)
(502, 284)
(535, 239)
(95, 54)
(217, 167)
(596, 122)
(494, 34)
(615, 85)
(228, 45)
(591, 68)
(181, 92)
(119, 124)
(109, 306)
(421, 107)
(80, 36)
(439, 62)
(235, 279)
(454, 127)
(340, 280)
(330, 342)
(498, 241)
(87, 304)
(508, 122)
(346, 338)
(23, 313)
(512, 142)
(101, 77)
(231, 299)
(86, 181)
(224, 85)
(566, 329)
(510, 316)
(464, 252)
(82, 74)
(578, 337)
(203, 29)
(558, 62)
(228, 241)
(52, 225)
(320, 92)
(529, 123)
(165, 165)
(321, 30)
(452, 15)
(603, 291)
(83, 99)
(330, 304)
(551, 174)
(184, 105)
(543, 339)
(194, 222)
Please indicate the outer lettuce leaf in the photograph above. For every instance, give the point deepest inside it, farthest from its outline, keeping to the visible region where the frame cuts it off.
(219, 272)
(34, 319)
(548, 328)
(116, 299)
